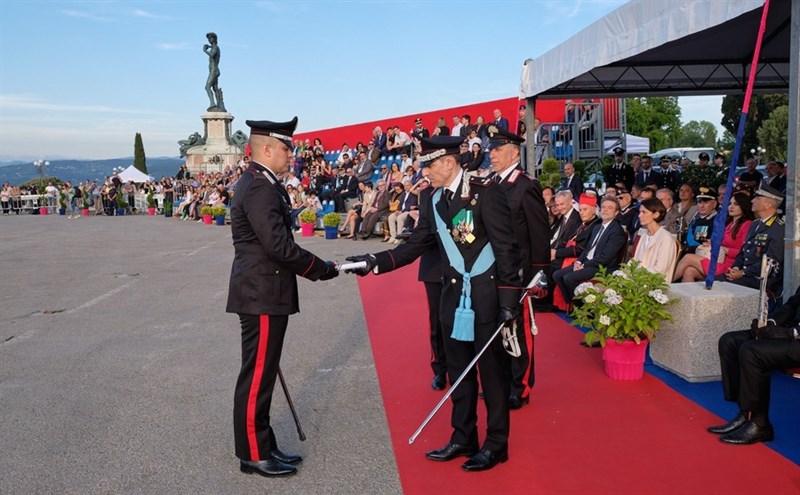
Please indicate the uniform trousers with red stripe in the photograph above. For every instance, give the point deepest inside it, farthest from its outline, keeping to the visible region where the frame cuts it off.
(522, 367)
(262, 343)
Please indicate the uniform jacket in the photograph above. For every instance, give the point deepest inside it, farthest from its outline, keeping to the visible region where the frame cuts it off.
(700, 229)
(763, 238)
(430, 263)
(612, 174)
(529, 221)
(607, 249)
(266, 258)
(500, 284)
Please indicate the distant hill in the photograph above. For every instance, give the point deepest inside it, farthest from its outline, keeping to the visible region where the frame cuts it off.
(80, 170)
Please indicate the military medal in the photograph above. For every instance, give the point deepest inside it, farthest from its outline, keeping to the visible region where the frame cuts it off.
(463, 227)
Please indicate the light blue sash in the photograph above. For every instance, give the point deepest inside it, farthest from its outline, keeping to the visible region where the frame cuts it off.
(464, 321)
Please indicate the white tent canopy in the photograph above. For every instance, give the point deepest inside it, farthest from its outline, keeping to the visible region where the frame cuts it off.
(133, 174)
(635, 144)
(682, 48)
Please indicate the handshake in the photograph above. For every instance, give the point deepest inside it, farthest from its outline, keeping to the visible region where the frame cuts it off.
(360, 265)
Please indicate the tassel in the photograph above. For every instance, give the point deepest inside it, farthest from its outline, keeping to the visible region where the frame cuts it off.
(464, 323)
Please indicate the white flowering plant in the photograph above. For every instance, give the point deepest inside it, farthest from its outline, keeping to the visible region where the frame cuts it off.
(627, 304)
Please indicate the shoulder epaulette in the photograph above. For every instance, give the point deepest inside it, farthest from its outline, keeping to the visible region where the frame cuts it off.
(514, 175)
(479, 181)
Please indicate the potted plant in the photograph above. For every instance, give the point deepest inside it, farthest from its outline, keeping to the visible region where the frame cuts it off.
(167, 209)
(42, 203)
(62, 203)
(206, 212)
(219, 213)
(623, 311)
(121, 205)
(307, 220)
(151, 203)
(331, 223)
(550, 174)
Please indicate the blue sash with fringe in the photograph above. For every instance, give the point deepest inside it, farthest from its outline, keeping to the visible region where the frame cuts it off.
(464, 321)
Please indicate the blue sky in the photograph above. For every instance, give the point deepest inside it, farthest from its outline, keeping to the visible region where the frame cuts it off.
(79, 79)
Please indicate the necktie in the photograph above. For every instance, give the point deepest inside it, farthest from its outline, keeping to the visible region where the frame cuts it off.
(448, 196)
(497, 178)
(645, 177)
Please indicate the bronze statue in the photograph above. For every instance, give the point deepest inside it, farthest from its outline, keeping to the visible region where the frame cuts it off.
(212, 87)
(192, 140)
(239, 139)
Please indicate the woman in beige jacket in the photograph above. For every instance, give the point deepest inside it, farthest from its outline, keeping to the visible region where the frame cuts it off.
(657, 249)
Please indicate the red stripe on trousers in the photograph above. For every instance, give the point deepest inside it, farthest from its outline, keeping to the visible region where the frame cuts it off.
(526, 327)
(255, 384)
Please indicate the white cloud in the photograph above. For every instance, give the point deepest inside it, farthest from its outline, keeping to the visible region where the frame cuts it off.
(173, 46)
(32, 102)
(149, 15)
(85, 15)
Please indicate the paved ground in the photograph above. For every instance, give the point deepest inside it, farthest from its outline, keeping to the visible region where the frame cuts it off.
(118, 361)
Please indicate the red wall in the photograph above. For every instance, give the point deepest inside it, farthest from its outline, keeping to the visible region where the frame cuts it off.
(332, 139)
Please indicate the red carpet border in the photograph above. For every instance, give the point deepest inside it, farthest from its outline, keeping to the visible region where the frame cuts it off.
(582, 432)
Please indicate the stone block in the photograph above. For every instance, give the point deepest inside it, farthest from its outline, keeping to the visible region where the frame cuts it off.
(687, 346)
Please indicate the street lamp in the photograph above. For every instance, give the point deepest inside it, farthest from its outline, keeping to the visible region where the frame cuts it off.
(757, 153)
(41, 165)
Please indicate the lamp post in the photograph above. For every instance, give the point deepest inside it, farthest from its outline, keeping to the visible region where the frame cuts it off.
(758, 152)
(40, 166)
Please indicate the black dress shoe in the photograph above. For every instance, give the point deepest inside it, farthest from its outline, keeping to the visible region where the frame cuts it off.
(730, 426)
(515, 402)
(485, 459)
(592, 345)
(450, 452)
(269, 468)
(438, 382)
(749, 433)
(286, 458)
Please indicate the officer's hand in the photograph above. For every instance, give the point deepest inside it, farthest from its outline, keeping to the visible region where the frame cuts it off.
(775, 332)
(369, 259)
(507, 315)
(330, 271)
(754, 324)
(537, 292)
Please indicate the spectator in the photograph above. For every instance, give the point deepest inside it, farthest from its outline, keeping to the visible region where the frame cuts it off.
(670, 175)
(775, 178)
(5, 197)
(457, 125)
(397, 220)
(441, 124)
(619, 171)
(673, 218)
(629, 212)
(702, 225)
(747, 359)
(375, 210)
(419, 131)
(569, 220)
(346, 188)
(395, 175)
(636, 162)
(476, 157)
(656, 250)
(693, 266)
(353, 219)
(764, 238)
(587, 124)
(567, 254)
(751, 177)
(466, 126)
(687, 206)
(608, 239)
(500, 121)
(362, 167)
(405, 162)
(394, 205)
(647, 176)
(317, 149)
(571, 182)
(345, 151)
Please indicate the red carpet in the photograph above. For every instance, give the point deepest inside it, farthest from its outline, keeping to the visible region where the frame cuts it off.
(582, 432)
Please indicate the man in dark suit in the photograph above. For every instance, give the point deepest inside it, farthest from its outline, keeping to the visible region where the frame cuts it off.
(608, 239)
(347, 188)
(747, 359)
(531, 229)
(378, 210)
(577, 244)
(500, 121)
(380, 141)
(479, 252)
(648, 176)
(571, 182)
(619, 171)
(397, 220)
(362, 168)
(263, 291)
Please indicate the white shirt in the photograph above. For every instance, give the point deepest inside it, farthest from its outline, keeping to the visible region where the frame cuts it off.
(590, 254)
(456, 131)
(454, 185)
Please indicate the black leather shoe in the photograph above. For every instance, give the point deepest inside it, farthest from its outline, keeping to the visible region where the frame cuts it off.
(515, 402)
(749, 433)
(438, 382)
(450, 452)
(485, 459)
(269, 468)
(730, 426)
(286, 458)
(592, 345)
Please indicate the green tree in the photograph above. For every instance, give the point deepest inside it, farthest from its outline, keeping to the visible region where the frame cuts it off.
(658, 118)
(726, 142)
(698, 134)
(773, 134)
(139, 160)
(761, 106)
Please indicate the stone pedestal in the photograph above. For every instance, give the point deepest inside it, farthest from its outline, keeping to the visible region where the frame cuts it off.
(687, 346)
(217, 152)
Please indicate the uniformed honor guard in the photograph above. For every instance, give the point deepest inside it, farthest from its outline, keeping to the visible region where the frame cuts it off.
(263, 291)
(764, 238)
(532, 232)
(467, 217)
(702, 225)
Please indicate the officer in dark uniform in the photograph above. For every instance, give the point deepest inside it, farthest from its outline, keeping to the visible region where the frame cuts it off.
(419, 131)
(702, 225)
(747, 358)
(531, 231)
(619, 171)
(430, 274)
(764, 238)
(479, 259)
(263, 291)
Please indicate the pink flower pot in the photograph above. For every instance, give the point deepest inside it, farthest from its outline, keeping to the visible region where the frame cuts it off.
(624, 361)
(85, 212)
(307, 229)
(42, 210)
(151, 211)
(207, 219)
